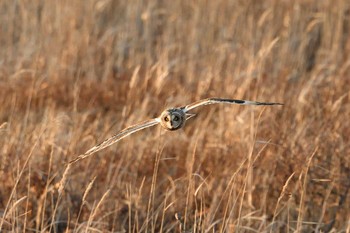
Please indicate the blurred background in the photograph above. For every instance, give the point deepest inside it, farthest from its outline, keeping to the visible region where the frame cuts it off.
(73, 73)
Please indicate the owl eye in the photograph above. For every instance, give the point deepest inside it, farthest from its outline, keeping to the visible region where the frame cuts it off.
(166, 119)
(176, 118)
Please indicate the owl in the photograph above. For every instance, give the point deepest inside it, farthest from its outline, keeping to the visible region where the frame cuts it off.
(170, 119)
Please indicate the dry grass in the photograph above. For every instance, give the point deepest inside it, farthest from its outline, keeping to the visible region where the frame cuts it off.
(74, 72)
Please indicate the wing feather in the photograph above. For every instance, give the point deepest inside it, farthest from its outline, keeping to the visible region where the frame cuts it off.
(115, 138)
(220, 100)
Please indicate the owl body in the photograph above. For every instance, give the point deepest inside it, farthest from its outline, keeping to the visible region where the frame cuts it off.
(170, 119)
(173, 118)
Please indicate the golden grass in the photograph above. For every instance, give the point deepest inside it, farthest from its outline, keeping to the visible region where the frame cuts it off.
(73, 73)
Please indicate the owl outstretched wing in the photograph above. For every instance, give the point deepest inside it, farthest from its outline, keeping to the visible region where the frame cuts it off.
(134, 128)
(115, 138)
(226, 101)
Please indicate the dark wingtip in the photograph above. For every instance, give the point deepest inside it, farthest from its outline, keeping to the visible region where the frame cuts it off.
(269, 103)
(278, 104)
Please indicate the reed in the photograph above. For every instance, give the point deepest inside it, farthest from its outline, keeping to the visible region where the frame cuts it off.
(73, 73)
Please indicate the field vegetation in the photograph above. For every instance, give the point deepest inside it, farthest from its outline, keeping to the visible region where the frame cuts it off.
(73, 73)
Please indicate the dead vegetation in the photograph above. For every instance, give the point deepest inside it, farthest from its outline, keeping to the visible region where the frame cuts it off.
(74, 72)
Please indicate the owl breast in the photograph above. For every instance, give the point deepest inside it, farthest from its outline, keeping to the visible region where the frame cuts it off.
(173, 119)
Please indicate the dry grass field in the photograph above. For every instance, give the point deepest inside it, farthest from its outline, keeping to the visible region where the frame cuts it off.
(73, 73)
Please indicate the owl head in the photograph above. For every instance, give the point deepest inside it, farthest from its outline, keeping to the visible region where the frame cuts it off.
(173, 118)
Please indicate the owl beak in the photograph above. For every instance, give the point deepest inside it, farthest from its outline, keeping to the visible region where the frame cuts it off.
(189, 115)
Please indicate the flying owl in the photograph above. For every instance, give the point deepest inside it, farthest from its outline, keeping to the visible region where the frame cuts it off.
(170, 119)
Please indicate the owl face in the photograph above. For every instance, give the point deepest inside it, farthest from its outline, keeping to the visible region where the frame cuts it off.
(173, 119)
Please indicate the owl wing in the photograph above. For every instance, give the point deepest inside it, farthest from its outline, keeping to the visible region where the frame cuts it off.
(115, 138)
(226, 101)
